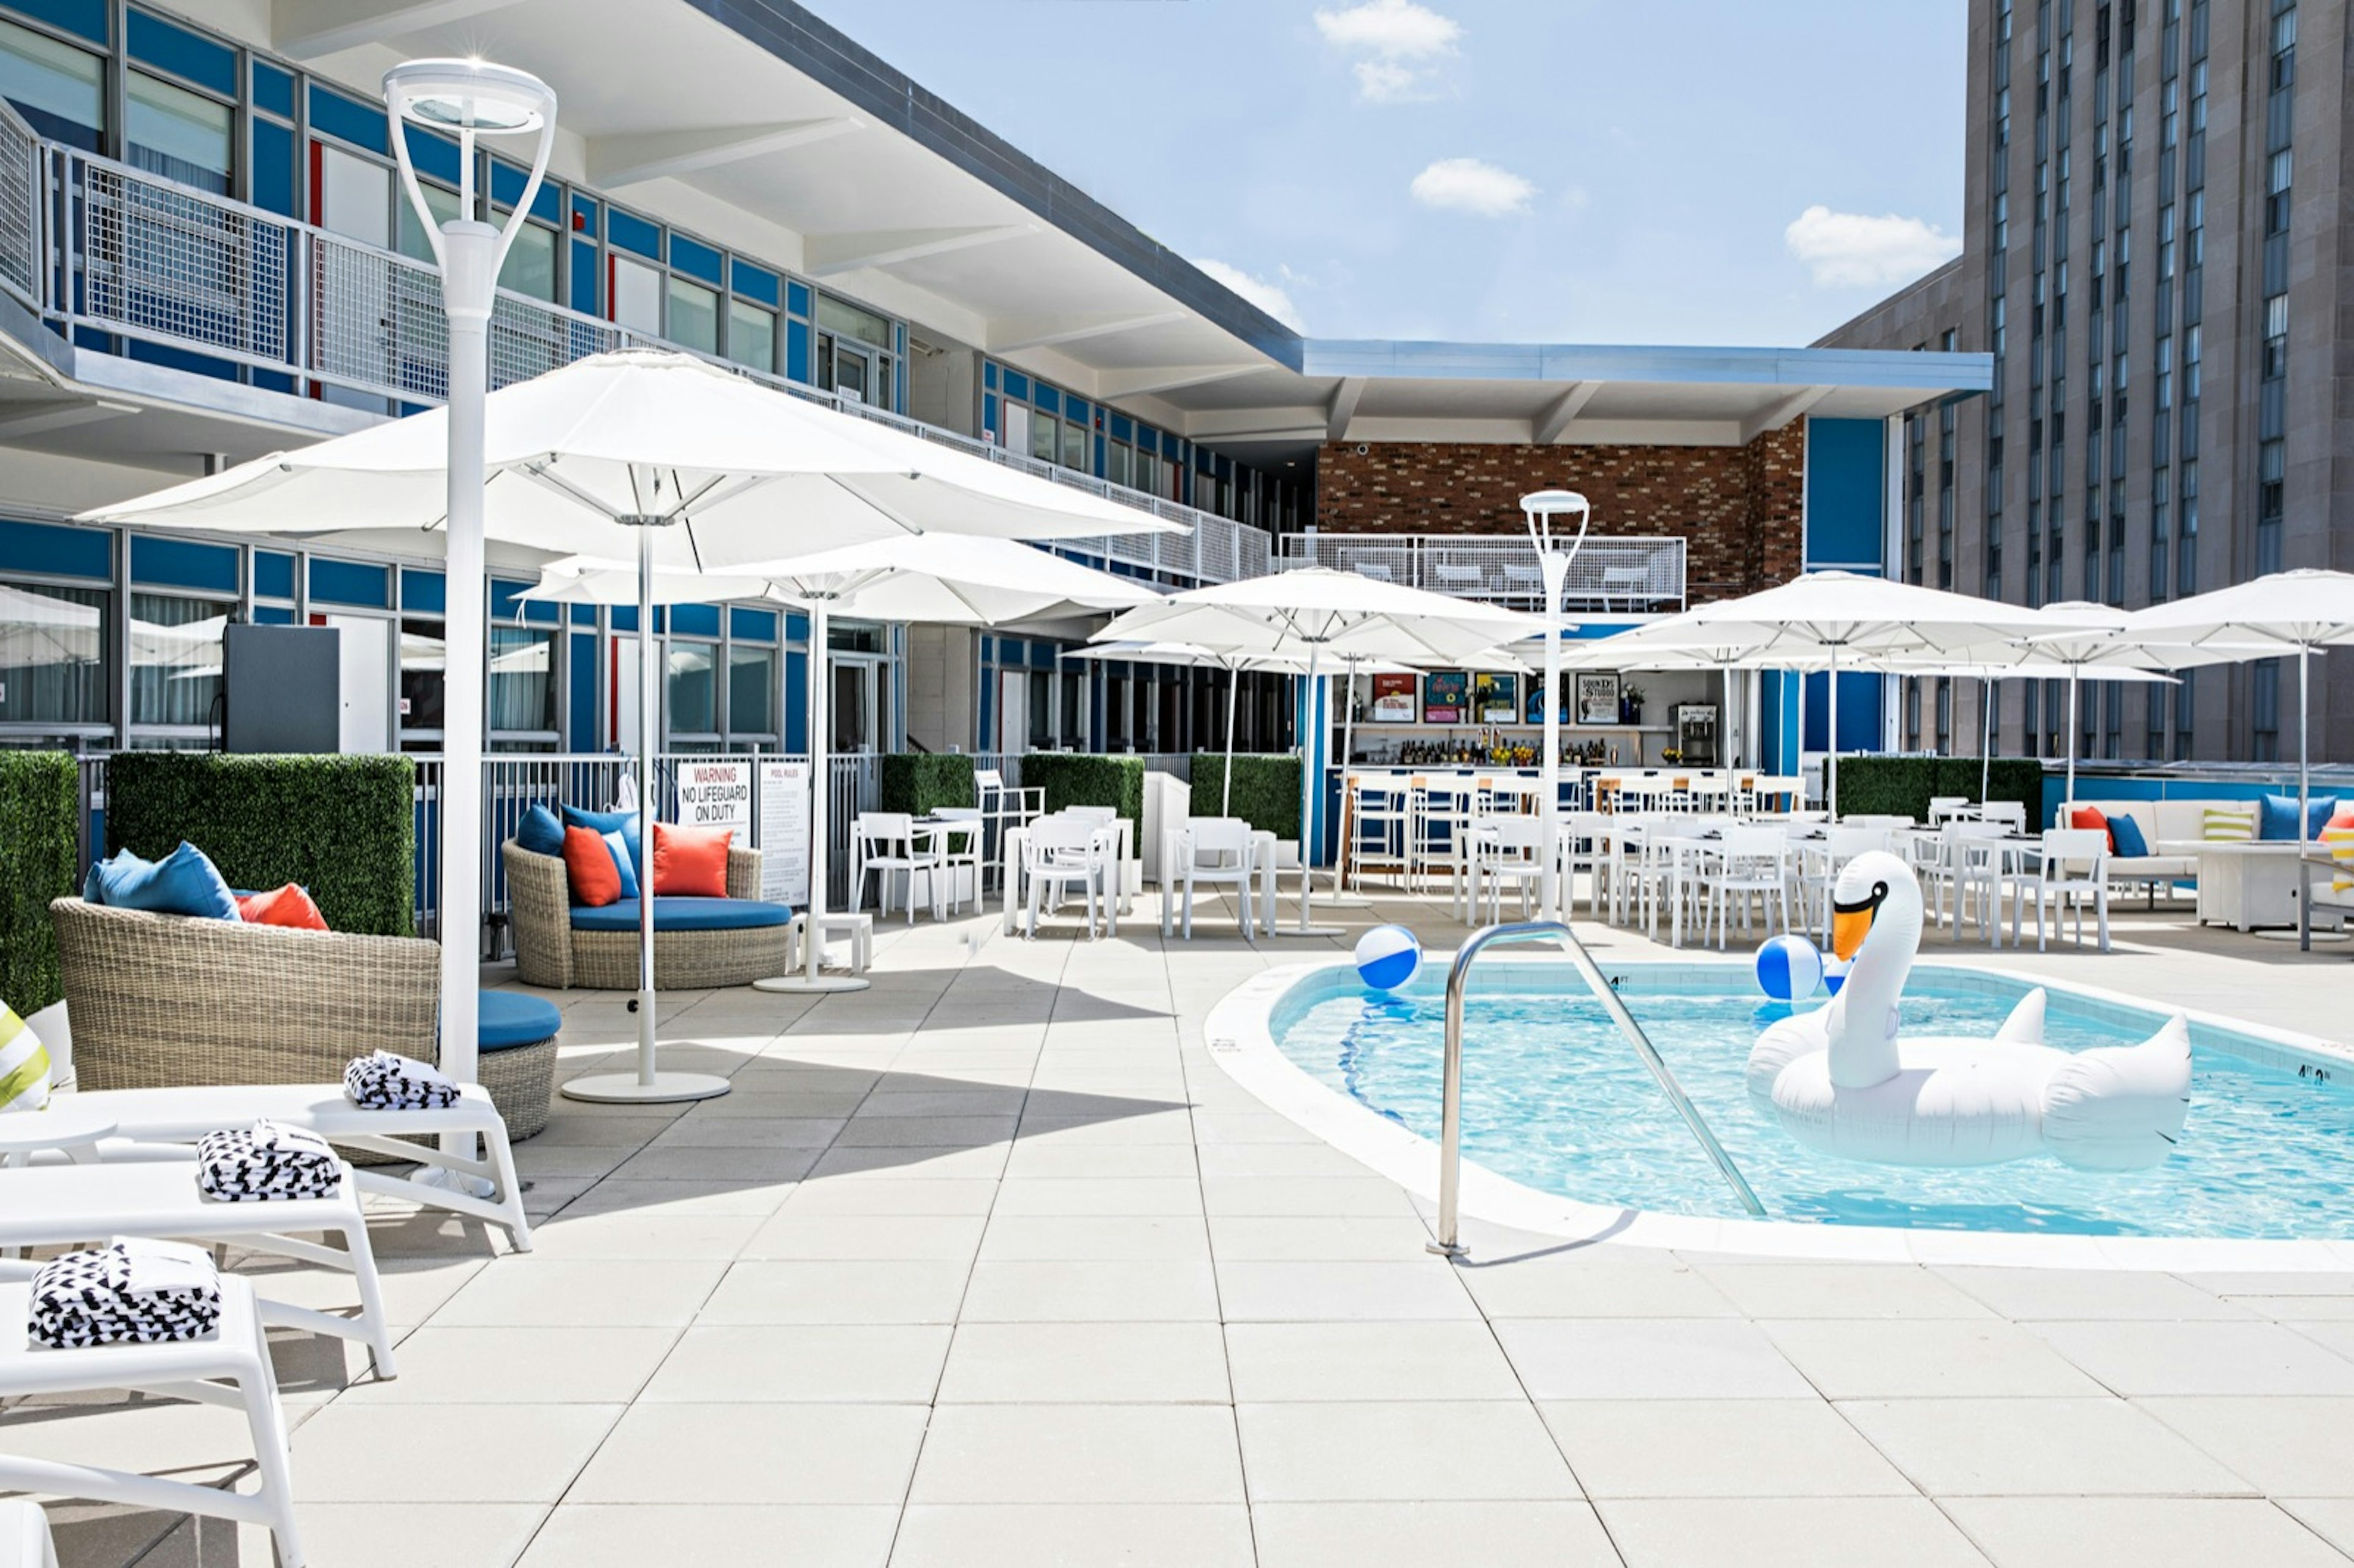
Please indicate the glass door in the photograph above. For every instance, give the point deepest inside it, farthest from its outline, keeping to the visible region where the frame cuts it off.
(860, 715)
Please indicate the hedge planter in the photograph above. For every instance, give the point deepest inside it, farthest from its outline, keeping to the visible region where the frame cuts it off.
(919, 783)
(1266, 790)
(40, 853)
(1070, 778)
(344, 827)
(1902, 786)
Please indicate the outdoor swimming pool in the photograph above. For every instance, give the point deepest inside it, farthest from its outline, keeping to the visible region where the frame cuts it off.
(1555, 1099)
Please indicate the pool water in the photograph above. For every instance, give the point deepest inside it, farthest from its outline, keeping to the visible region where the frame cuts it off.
(1554, 1099)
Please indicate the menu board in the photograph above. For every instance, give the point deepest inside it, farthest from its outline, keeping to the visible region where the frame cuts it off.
(1393, 699)
(1445, 696)
(785, 833)
(1495, 699)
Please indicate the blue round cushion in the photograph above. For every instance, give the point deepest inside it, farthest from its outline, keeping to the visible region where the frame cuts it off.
(509, 1018)
(681, 914)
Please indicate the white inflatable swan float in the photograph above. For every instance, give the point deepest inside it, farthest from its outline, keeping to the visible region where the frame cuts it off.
(1839, 1079)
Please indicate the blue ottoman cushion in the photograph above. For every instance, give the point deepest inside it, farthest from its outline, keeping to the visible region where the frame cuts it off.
(683, 915)
(508, 1018)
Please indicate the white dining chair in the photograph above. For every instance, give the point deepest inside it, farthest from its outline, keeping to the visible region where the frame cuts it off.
(1065, 852)
(2068, 870)
(1751, 866)
(888, 843)
(1216, 851)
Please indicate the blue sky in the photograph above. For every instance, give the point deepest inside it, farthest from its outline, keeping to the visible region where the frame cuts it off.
(1588, 171)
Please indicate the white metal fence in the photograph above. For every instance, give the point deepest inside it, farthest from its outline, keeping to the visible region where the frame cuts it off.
(145, 257)
(1608, 574)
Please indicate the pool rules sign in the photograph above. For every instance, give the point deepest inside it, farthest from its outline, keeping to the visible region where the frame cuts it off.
(785, 832)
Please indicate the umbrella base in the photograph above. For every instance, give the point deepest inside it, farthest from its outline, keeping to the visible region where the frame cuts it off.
(804, 985)
(2291, 935)
(1297, 930)
(625, 1088)
(1345, 901)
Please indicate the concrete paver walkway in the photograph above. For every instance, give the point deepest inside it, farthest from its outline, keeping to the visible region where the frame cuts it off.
(991, 1264)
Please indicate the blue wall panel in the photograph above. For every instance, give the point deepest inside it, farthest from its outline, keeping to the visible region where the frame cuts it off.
(1846, 494)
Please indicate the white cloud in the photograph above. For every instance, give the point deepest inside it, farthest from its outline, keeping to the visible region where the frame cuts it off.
(1393, 29)
(1468, 185)
(1268, 297)
(1854, 250)
(1391, 32)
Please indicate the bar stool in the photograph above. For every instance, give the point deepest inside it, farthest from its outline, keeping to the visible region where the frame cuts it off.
(1377, 821)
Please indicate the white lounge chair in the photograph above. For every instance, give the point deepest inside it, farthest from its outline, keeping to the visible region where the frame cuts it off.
(236, 1355)
(182, 1115)
(53, 1205)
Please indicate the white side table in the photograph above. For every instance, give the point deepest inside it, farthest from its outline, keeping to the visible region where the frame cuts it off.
(64, 1125)
(856, 925)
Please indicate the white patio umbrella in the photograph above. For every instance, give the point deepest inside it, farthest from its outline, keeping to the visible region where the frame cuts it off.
(654, 457)
(2286, 612)
(938, 579)
(2026, 668)
(1846, 617)
(1323, 613)
(1190, 655)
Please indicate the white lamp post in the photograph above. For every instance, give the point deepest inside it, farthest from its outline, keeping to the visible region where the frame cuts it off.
(466, 99)
(1554, 556)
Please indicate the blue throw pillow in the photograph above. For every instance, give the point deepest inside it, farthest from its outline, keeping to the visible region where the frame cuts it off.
(620, 848)
(602, 822)
(2126, 837)
(540, 832)
(2276, 817)
(182, 882)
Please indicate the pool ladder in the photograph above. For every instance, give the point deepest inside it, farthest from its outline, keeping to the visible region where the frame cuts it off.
(1450, 1150)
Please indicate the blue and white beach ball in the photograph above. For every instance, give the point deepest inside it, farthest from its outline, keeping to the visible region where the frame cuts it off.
(1835, 975)
(1388, 957)
(1789, 968)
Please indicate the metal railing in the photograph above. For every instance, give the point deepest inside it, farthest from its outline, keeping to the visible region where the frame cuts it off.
(89, 241)
(1628, 575)
(1449, 1244)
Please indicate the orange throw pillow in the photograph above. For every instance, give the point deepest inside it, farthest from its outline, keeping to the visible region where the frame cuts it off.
(289, 906)
(2344, 818)
(691, 862)
(2091, 817)
(588, 863)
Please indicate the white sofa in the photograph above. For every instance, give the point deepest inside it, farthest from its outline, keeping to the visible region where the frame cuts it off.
(2173, 830)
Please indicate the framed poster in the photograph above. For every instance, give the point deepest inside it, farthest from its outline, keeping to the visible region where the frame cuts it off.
(1443, 696)
(1393, 699)
(1495, 699)
(1597, 697)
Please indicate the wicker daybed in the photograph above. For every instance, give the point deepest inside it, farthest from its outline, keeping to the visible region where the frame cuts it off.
(729, 941)
(172, 1001)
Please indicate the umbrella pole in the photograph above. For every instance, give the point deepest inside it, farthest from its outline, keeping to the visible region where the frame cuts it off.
(2072, 737)
(1985, 742)
(811, 978)
(1830, 754)
(647, 1085)
(2303, 734)
(1226, 796)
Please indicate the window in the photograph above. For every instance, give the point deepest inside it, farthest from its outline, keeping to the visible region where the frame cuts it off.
(1074, 447)
(751, 690)
(694, 316)
(2183, 707)
(178, 134)
(752, 335)
(176, 657)
(2277, 176)
(60, 90)
(54, 669)
(522, 693)
(2265, 705)
(637, 295)
(530, 266)
(2275, 361)
(1043, 433)
(693, 691)
(421, 661)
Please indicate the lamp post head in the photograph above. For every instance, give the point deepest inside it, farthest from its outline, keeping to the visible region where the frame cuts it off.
(468, 96)
(1541, 507)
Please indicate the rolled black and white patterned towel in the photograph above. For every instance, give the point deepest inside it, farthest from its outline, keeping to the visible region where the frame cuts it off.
(389, 1081)
(131, 1291)
(265, 1162)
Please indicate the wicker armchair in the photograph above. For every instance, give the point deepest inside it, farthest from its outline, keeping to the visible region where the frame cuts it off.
(549, 952)
(170, 1001)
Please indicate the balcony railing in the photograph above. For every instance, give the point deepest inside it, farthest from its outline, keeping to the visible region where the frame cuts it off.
(1632, 576)
(90, 243)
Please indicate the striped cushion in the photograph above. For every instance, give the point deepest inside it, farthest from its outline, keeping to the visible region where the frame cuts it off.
(2339, 843)
(2228, 825)
(24, 1065)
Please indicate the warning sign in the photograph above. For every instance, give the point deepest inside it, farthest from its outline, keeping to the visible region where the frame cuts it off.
(716, 794)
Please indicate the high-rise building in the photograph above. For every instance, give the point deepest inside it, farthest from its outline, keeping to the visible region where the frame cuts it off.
(2156, 253)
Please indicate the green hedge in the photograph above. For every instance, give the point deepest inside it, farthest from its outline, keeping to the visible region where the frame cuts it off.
(40, 851)
(1266, 790)
(919, 782)
(1071, 778)
(344, 827)
(1902, 786)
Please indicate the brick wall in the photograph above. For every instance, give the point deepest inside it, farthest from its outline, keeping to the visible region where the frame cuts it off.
(1737, 508)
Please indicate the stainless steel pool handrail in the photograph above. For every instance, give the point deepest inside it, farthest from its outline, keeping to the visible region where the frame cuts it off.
(1450, 1135)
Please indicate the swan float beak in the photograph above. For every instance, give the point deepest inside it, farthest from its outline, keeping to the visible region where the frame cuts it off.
(1850, 923)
